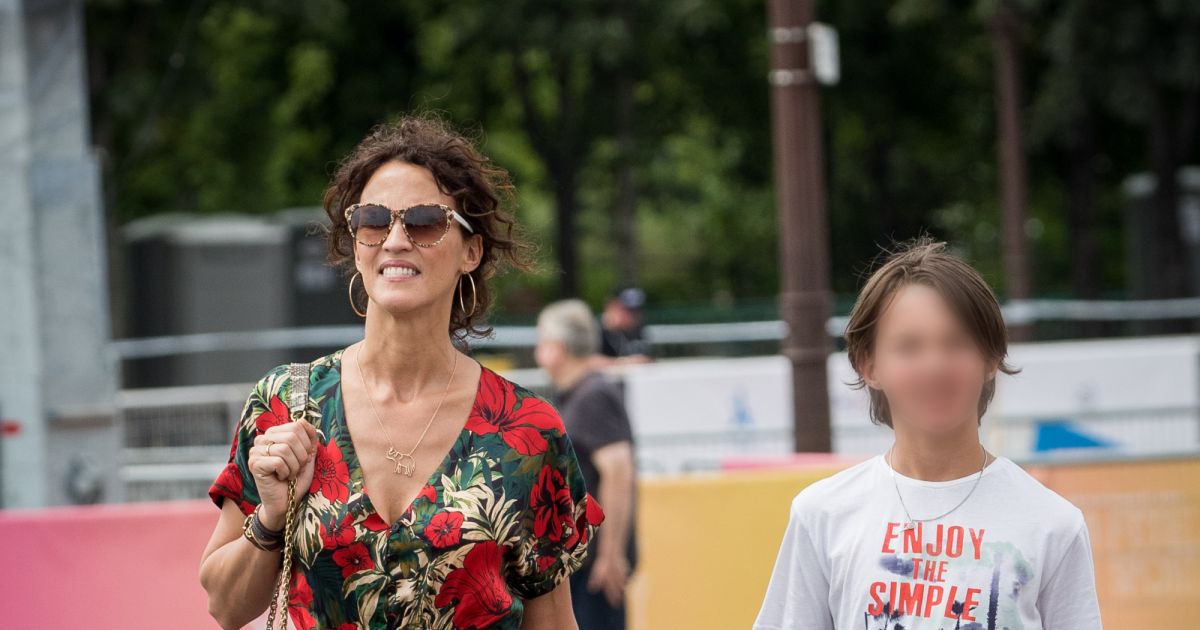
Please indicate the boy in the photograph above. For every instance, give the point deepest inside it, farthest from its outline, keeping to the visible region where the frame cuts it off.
(937, 532)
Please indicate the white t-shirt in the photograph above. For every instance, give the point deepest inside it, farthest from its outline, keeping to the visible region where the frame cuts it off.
(1015, 555)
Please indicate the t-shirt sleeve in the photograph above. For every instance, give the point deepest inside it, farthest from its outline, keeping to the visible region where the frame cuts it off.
(559, 517)
(603, 419)
(262, 409)
(1068, 595)
(797, 595)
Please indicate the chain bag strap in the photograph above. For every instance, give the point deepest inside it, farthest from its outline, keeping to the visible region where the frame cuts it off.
(297, 405)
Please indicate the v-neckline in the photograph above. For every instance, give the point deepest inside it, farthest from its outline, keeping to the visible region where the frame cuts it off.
(361, 484)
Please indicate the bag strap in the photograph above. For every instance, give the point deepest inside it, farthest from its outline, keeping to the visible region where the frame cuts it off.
(297, 408)
(298, 393)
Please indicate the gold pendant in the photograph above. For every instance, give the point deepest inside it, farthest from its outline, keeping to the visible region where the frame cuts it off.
(404, 462)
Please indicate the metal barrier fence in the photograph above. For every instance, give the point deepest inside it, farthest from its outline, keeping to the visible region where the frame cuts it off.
(177, 439)
(1016, 312)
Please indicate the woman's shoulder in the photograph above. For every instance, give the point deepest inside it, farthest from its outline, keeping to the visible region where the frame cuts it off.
(271, 390)
(275, 374)
(267, 386)
(326, 366)
(515, 412)
(524, 399)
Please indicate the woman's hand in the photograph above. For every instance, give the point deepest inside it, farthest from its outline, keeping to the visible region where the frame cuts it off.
(292, 447)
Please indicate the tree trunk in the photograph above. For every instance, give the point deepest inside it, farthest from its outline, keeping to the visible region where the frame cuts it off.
(1171, 277)
(624, 219)
(1081, 209)
(567, 205)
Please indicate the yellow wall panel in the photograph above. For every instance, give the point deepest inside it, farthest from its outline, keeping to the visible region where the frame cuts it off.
(708, 542)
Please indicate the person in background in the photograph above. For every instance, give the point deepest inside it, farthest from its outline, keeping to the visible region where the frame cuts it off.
(622, 336)
(594, 413)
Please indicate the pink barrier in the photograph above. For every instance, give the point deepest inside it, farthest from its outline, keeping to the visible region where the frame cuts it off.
(124, 566)
(791, 461)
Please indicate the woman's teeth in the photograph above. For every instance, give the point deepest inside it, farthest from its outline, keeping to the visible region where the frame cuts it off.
(396, 272)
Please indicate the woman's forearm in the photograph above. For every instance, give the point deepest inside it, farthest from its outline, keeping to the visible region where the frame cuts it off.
(239, 579)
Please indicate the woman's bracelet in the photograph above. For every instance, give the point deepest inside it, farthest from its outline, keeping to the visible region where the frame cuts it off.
(262, 530)
(258, 534)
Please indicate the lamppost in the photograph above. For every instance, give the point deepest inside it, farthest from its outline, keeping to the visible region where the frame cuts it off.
(803, 54)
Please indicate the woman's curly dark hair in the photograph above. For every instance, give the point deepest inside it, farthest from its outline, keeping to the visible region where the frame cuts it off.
(482, 192)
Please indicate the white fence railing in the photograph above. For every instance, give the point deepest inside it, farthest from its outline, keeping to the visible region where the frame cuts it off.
(1015, 313)
(178, 439)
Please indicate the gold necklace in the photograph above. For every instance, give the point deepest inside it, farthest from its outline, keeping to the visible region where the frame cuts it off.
(405, 463)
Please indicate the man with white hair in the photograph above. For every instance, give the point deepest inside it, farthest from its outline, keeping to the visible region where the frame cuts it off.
(593, 412)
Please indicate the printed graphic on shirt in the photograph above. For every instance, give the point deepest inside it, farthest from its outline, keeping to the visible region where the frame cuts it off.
(943, 577)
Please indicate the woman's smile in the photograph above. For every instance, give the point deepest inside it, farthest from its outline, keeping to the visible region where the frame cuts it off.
(397, 271)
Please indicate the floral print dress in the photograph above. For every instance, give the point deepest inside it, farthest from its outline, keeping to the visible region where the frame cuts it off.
(504, 518)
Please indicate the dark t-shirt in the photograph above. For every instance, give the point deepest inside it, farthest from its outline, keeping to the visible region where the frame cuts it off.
(593, 412)
(623, 343)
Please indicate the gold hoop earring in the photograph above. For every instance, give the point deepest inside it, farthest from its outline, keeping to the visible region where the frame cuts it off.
(462, 306)
(351, 291)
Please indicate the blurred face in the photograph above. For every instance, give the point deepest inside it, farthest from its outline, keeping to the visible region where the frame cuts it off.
(549, 354)
(398, 276)
(616, 317)
(926, 363)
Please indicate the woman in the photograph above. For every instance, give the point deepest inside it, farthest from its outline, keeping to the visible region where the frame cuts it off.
(435, 493)
(937, 532)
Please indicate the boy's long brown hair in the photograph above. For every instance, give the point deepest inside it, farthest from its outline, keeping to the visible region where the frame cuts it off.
(925, 261)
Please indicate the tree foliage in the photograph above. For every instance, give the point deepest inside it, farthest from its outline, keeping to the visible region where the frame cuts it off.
(217, 106)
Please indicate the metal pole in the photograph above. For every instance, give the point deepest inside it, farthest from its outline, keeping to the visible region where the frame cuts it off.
(1018, 285)
(804, 299)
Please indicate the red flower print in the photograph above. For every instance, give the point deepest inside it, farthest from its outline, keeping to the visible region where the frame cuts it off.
(444, 529)
(228, 484)
(429, 492)
(330, 475)
(300, 599)
(341, 534)
(299, 592)
(551, 503)
(353, 559)
(595, 514)
(592, 515)
(276, 413)
(521, 428)
(374, 523)
(545, 562)
(476, 589)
